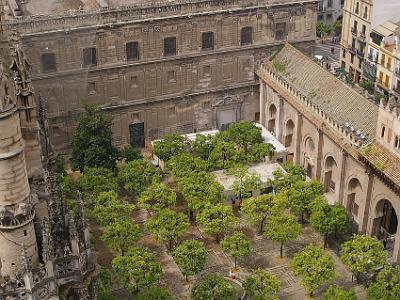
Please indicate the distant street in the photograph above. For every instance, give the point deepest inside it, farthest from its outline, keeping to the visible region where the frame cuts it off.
(325, 50)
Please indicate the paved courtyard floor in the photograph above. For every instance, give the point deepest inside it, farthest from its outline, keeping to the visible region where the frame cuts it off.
(264, 254)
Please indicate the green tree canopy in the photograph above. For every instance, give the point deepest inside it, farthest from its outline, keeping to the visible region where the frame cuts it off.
(224, 155)
(92, 141)
(129, 154)
(300, 195)
(138, 268)
(245, 183)
(259, 151)
(170, 145)
(184, 164)
(213, 287)
(261, 285)
(236, 245)
(108, 207)
(104, 285)
(190, 256)
(97, 180)
(242, 134)
(156, 197)
(200, 190)
(339, 293)
(328, 219)
(137, 175)
(293, 175)
(363, 255)
(168, 225)
(155, 293)
(315, 267)
(216, 219)
(257, 210)
(203, 145)
(386, 285)
(282, 228)
(121, 234)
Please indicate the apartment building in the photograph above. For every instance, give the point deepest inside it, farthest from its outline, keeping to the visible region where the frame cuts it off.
(330, 11)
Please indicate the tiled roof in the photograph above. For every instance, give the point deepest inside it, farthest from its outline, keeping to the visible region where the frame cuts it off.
(338, 100)
(383, 160)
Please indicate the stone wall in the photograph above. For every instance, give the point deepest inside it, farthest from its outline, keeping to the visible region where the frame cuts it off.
(180, 93)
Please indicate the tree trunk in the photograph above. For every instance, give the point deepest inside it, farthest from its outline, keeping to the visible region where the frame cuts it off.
(170, 245)
(186, 278)
(261, 229)
(235, 262)
(325, 240)
(281, 250)
(217, 238)
(302, 217)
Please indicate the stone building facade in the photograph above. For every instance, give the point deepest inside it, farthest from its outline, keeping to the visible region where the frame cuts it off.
(178, 66)
(330, 11)
(348, 143)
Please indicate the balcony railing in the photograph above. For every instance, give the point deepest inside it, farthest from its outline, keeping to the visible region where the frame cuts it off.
(360, 53)
(354, 30)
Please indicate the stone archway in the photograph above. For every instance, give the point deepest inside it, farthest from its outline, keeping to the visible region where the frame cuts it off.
(272, 115)
(289, 132)
(331, 177)
(354, 199)
(385, 227)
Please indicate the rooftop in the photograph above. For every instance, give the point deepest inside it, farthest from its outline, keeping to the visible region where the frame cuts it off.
(15, 9)
(383, 160)
(264, 170)
(270, 139)
(335, 98)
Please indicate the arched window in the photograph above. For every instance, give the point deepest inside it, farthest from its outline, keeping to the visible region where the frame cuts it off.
(357, 10)
(383, 131)
(365, 16)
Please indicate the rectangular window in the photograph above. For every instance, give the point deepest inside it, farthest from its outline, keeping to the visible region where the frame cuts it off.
(132, 51)
(49, 62)
(280, 31)
(246, 36)
(383, 131)
(207, 71)
(170, 46)
(171, 76)
(89, 57)
(91, 88)
(352, 58)
(207, 41)
(344, 53)
(364, 29)
(330, 3)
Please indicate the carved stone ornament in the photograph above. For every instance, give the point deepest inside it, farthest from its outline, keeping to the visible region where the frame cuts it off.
(226, 100)
(7, 100)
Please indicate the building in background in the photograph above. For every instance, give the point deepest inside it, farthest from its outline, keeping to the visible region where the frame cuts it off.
(359, 16)
(156, 67)
(330, 11)
(348, 143)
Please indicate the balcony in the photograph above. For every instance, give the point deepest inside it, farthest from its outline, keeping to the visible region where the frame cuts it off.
(360, 53)
(373, 58)
(354, 31)
(361, 38)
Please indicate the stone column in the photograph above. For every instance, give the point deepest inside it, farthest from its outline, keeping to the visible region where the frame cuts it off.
(396, 248)
(279, 123)
(319, 154)
(299, 127)
(262, 103)
(341, 186)
(368, 214)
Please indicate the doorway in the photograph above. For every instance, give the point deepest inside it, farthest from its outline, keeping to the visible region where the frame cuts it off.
(136, 135)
